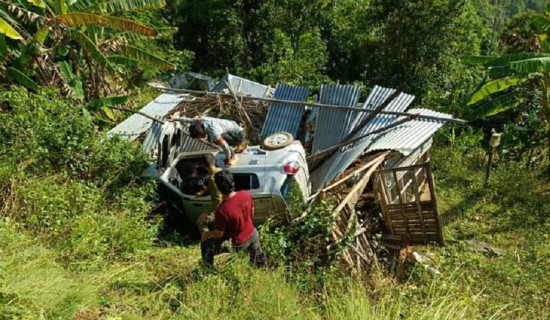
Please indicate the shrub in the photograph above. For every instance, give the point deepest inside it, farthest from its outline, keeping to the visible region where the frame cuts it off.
(44, 133)
(75, 189)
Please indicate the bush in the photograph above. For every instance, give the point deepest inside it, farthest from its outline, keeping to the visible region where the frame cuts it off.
(44, 133)
(304, 246)
(74, 189)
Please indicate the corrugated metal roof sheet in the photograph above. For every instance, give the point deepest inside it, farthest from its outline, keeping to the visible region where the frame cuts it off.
(159, 130)
(136, 124)
(151, 141)
(192, 80)
(189, 144)
(243, 87)
(409, 136)
(284, 117)
(339, 161)
(332, 125)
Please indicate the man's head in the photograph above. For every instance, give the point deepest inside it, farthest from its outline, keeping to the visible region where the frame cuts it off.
(197, 131)
(224, 182)
(188, 169)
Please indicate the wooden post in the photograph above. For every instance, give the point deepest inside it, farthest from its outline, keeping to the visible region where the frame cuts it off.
(495, 142)
(431, 185)
(489, 162)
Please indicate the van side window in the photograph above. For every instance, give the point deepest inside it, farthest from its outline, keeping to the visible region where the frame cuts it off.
(246, 181)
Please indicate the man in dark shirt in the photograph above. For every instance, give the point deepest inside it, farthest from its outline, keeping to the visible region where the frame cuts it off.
(233, 220)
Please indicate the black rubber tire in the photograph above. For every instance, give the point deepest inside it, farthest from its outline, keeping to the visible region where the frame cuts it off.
(269, 142)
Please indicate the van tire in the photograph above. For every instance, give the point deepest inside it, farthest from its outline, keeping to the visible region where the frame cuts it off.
(277, 140)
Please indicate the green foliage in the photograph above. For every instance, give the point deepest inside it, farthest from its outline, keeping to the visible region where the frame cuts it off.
(84, 19)
(147, 58)
(106, 102)
(77, 191)
(73, 81)
(9, 31)
(33, 284)
(510, 214)
(527, 66)
(87, 44)
(416, 47)
(113, 6)
(303, 65)
(303, 245)
(492, 87)
(48, 133)
(22, 78)
(55, 34)
(516, 86)
(412, 46)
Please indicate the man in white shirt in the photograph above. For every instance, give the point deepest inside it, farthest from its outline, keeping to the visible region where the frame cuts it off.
(219, 131)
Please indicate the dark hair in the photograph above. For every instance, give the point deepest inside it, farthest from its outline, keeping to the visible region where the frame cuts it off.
(224, 182)
(196, 130)
(210, 160)
(188, 169)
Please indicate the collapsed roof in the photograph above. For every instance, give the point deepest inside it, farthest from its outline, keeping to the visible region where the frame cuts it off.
(331, 120)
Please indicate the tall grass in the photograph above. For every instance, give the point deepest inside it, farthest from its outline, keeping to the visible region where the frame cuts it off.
(33, 285)
(76, 242)
(167, 283)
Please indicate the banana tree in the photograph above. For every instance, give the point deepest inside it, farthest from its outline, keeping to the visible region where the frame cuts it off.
(510, 76)
(80, 46)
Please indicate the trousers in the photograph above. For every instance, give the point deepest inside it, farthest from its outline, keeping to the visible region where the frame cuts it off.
(212, 247)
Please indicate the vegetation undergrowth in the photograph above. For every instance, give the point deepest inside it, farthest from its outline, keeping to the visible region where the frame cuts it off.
(71, 188)
(498, 234)
(76, 241)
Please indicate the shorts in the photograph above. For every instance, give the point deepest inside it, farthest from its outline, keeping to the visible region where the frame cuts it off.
(234, 138)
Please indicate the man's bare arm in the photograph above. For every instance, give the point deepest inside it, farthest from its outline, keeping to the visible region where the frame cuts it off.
(225, 147)
(214, 234)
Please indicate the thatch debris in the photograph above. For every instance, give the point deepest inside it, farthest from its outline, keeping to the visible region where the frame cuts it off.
(228, 108)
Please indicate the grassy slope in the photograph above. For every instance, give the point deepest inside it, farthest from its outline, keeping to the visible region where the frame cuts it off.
(166, 283)
(512, 214)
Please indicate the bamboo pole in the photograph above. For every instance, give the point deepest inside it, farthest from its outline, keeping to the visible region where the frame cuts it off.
(313, 104)
(137, 112)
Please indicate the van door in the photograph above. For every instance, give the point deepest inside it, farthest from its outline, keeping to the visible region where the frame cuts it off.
(169, 141)
(263, 209)
(194, 206)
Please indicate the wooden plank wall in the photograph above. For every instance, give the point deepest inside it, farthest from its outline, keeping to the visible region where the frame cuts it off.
(413, 213)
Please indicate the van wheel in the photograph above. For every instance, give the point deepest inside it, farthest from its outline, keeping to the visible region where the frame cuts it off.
(277, 141)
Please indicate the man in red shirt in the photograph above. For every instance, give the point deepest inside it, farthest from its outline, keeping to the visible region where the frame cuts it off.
(233, 220)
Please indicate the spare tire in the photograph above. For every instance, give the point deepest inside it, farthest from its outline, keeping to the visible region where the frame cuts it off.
(277, 140)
